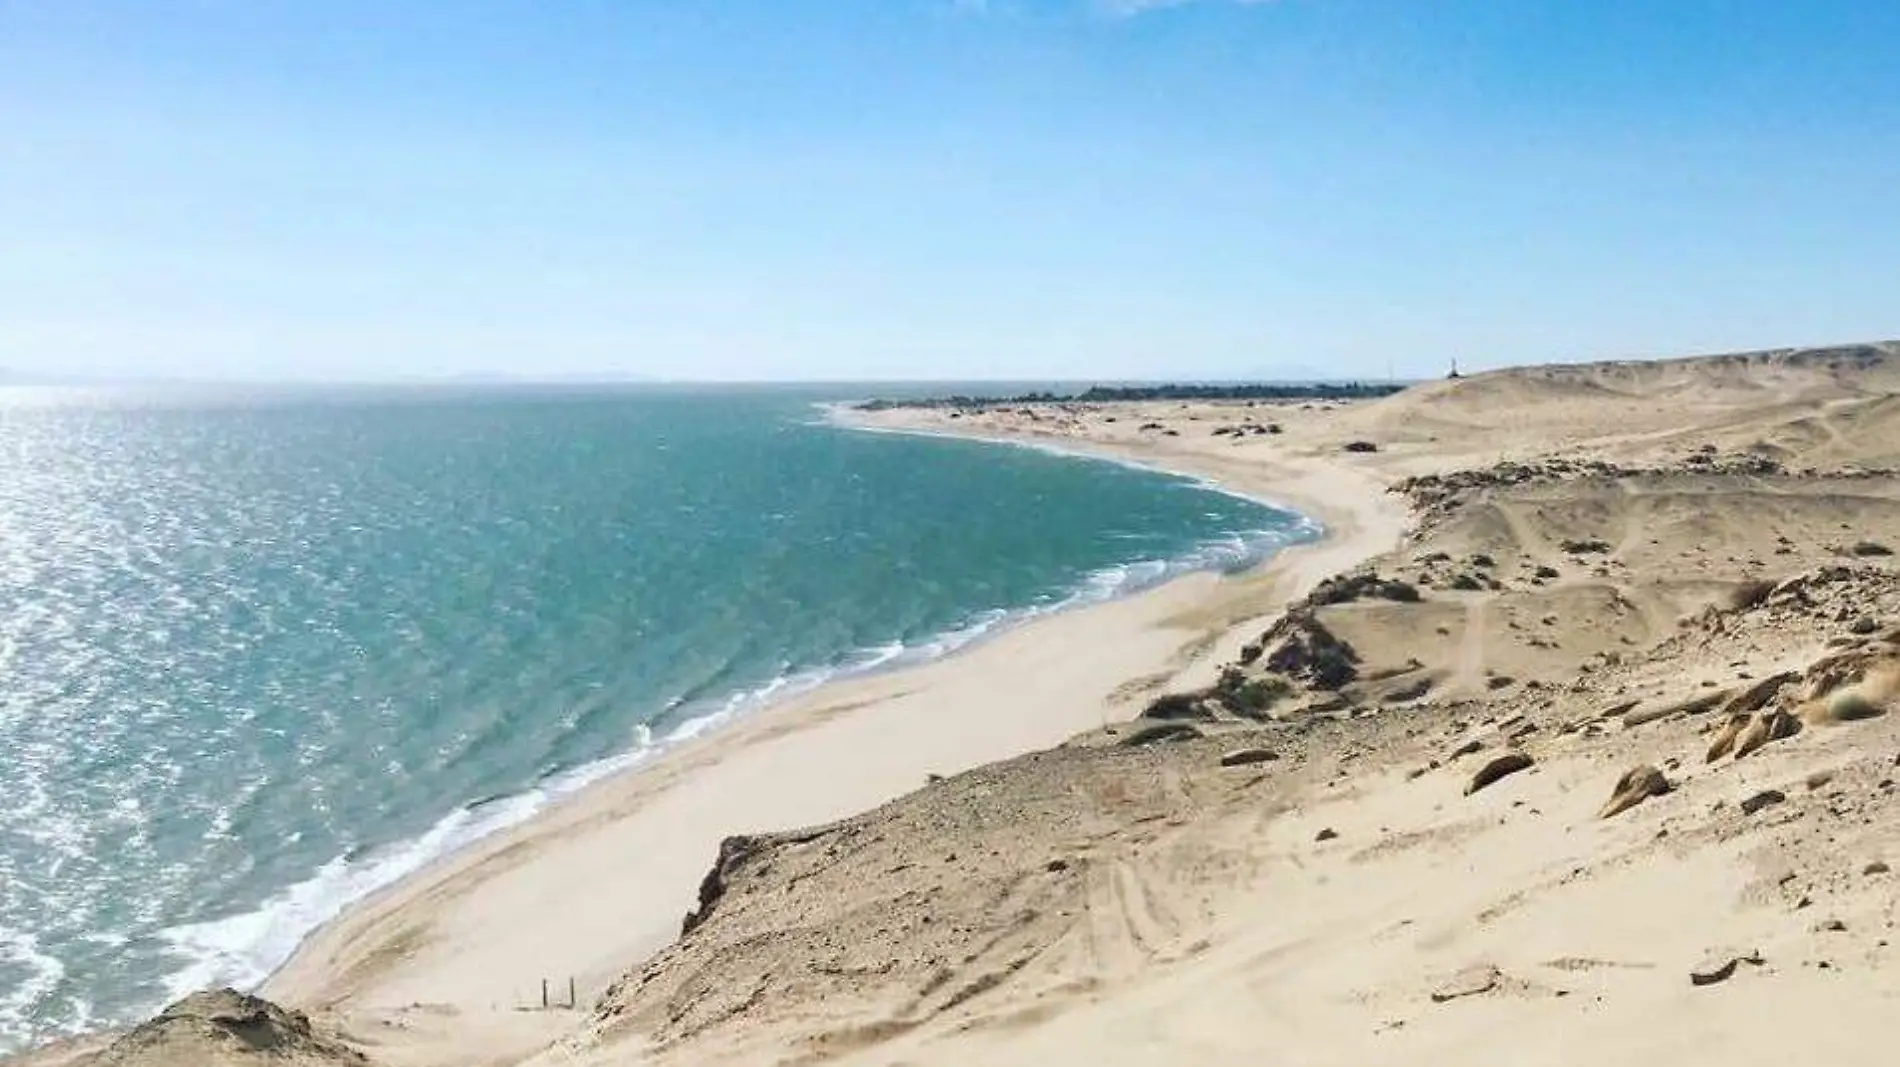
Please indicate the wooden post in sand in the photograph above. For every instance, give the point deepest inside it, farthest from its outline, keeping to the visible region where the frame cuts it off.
(544, 994)
(570, 993)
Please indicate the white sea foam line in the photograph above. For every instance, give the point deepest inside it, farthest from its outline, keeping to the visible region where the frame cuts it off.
(43, 974)
(243, 950)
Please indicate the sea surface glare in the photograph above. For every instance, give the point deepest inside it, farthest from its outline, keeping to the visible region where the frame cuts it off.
(263, 652)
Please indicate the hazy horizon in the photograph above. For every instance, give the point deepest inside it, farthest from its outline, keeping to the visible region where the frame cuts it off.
(937, 190)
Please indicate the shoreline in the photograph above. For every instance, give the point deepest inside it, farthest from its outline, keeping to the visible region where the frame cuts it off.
(468, 826)
(440, 936)
(1617, 725)
(842, 415)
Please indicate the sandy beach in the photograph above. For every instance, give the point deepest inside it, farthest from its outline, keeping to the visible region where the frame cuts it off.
(1584, 755)
(454, 951)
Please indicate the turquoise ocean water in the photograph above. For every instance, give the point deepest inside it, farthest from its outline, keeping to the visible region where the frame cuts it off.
(262, 653)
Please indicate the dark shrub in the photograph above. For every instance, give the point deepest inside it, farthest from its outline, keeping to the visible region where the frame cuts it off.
(1174, 706)
(1260, 694)
(1750, 593)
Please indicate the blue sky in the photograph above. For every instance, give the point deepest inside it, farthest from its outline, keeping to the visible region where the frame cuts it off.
(773, 189)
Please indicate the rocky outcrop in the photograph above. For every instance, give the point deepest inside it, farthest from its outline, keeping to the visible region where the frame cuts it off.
(734, 854)
(1300, 646)
(1637, 785)
(225, 1028)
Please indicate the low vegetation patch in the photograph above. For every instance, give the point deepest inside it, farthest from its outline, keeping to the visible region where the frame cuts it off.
(1346, 588)
(1254, 695)
(1751, 593)
(1173, 706)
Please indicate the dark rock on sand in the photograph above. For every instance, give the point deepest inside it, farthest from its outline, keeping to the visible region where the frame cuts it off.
(1161, 731)
(1466, 749)
(1767, 798)
(1637, 785)
(1721, 969)
(1500, 767)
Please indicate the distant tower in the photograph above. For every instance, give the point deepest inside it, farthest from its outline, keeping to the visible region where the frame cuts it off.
(1454, 369)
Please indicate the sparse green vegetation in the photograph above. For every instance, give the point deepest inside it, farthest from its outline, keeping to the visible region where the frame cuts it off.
(1262, 693)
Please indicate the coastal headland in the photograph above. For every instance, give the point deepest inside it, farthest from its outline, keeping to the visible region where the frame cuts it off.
(1570, 742)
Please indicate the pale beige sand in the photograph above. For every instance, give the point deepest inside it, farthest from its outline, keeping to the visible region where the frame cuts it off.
(1348, 902)
(603, 881)
(1339, 897)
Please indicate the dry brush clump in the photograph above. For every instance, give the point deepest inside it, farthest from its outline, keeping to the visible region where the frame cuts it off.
(1251, 695)
(1177, 706)
(1364, 585)
(1749, 593)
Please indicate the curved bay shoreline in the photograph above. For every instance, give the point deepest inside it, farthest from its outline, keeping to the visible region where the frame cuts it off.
(1396, 823)
(432, 968)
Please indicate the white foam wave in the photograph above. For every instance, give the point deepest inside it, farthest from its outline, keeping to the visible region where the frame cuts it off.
(243, 950)
(27, 977)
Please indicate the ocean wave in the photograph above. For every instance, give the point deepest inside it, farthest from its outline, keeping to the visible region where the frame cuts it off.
(28, 977)
(243, 950)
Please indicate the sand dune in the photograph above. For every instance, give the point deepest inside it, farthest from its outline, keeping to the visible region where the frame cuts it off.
(1587, 754)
